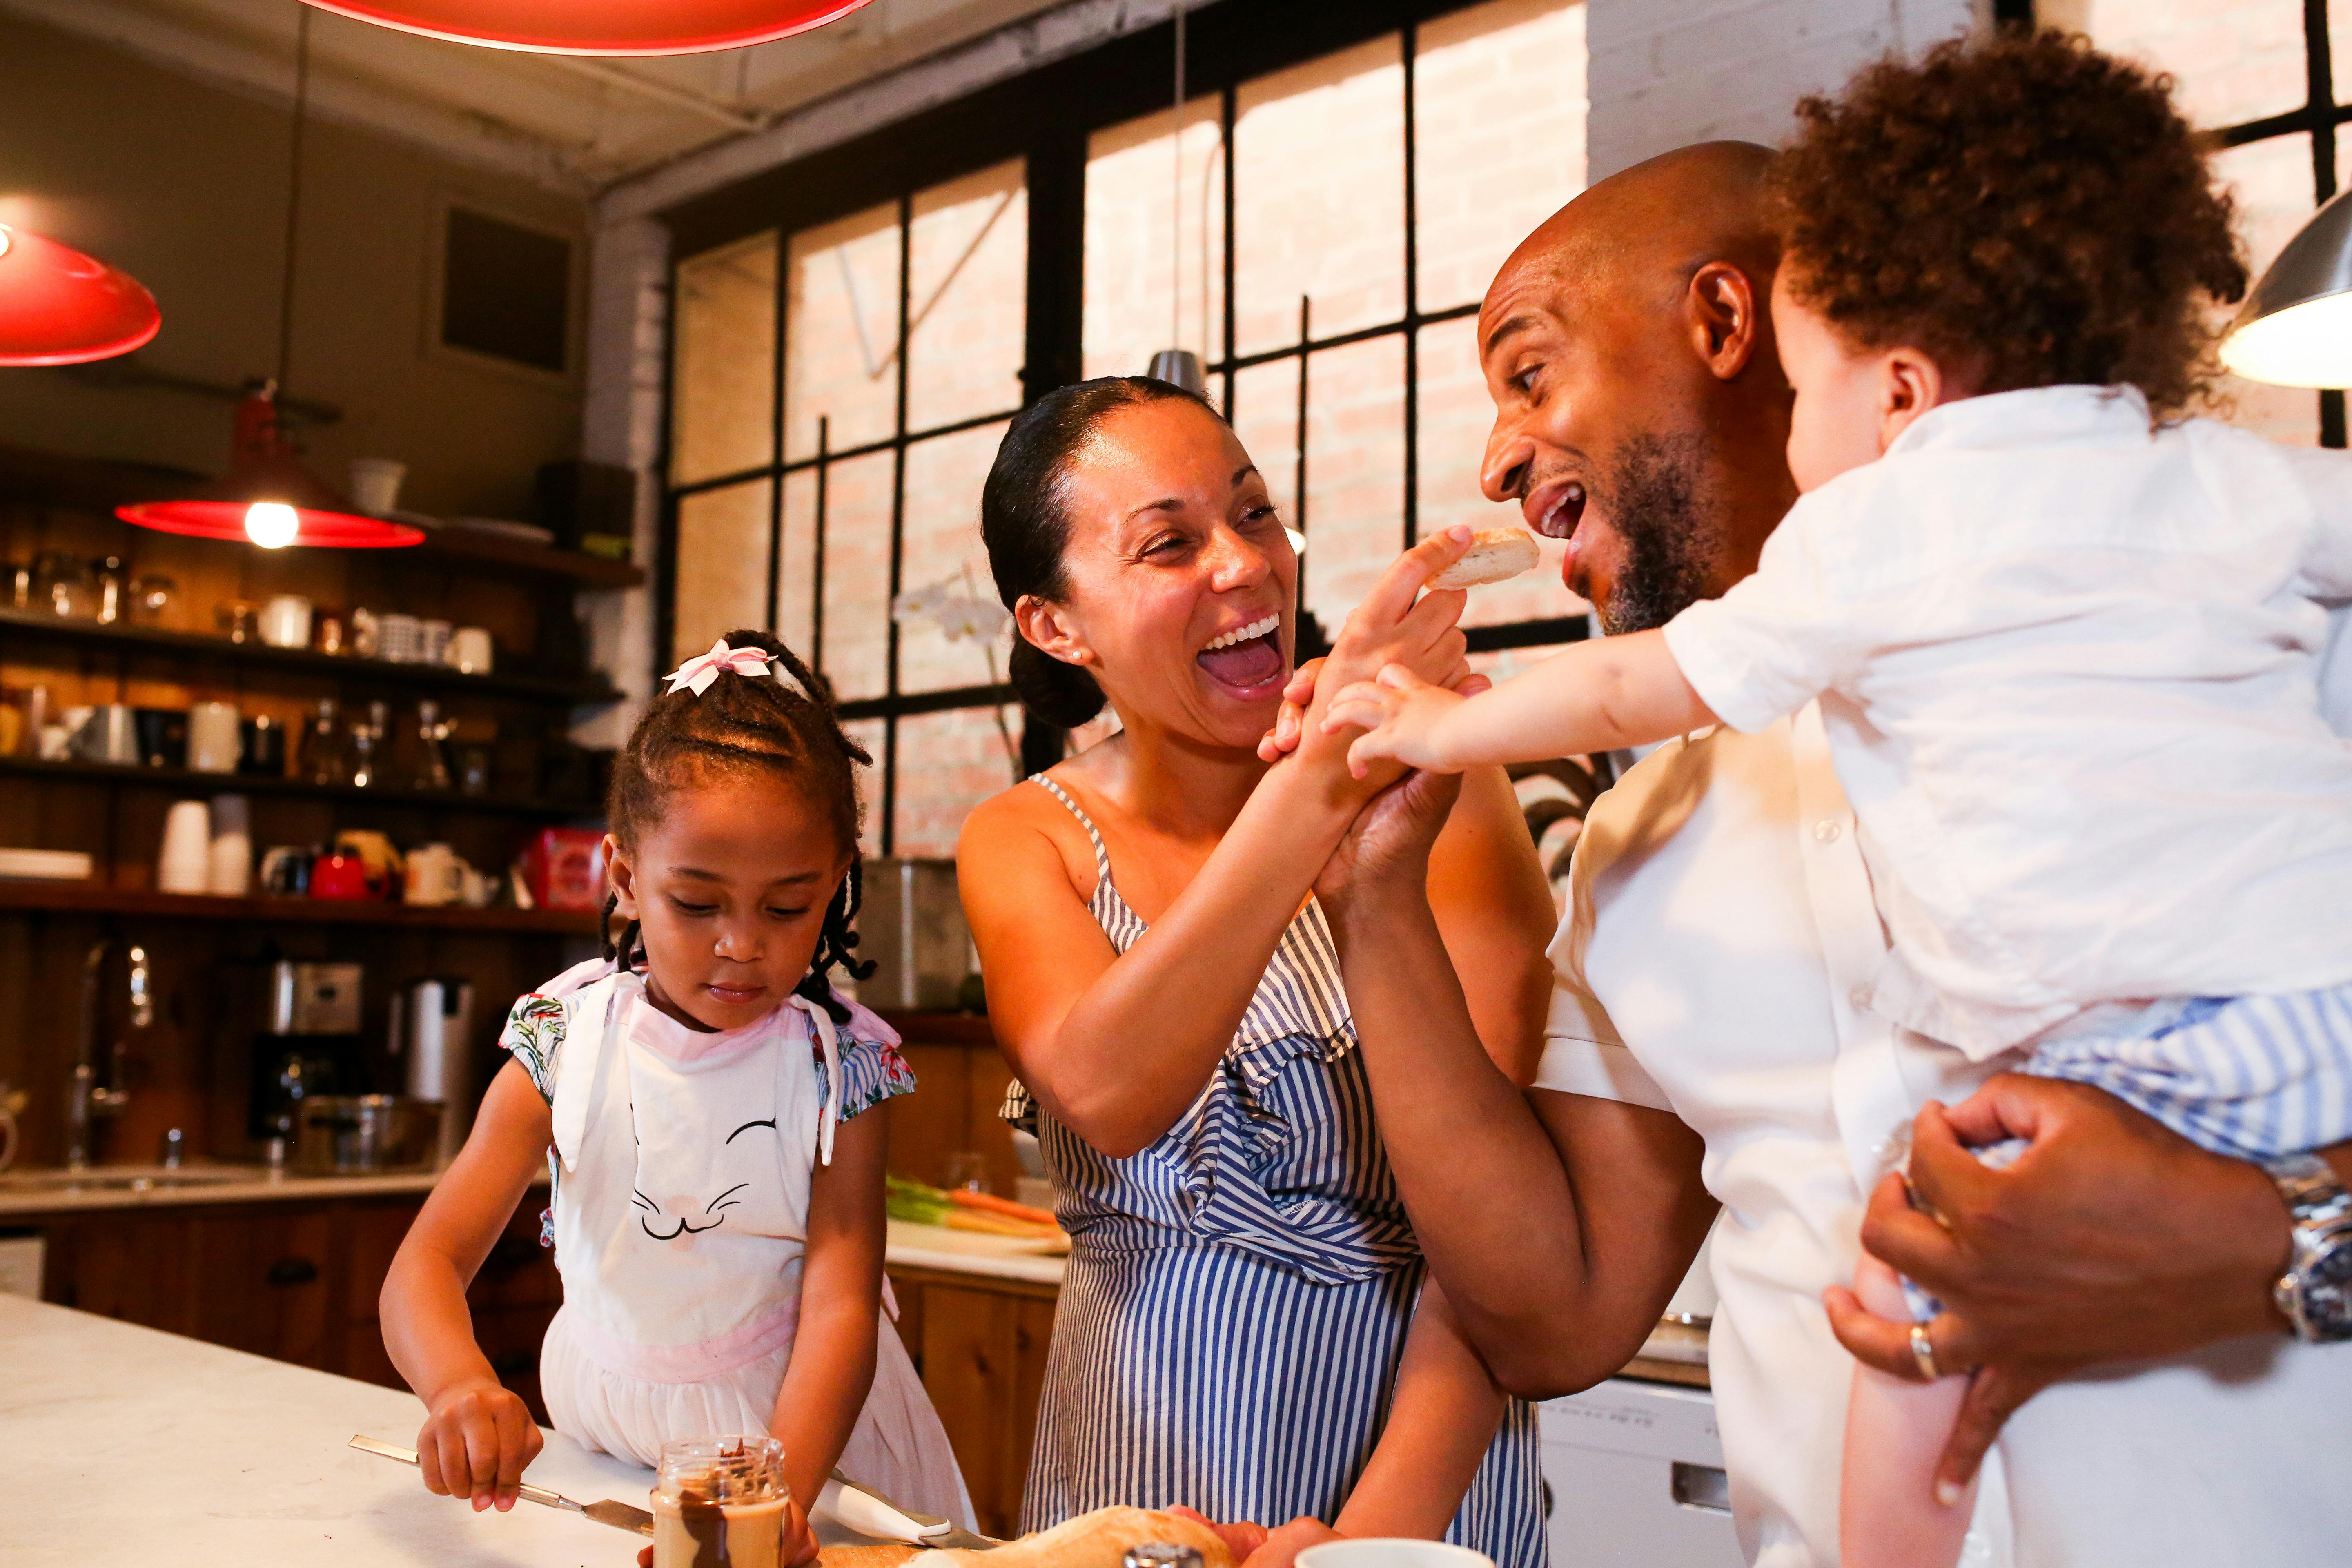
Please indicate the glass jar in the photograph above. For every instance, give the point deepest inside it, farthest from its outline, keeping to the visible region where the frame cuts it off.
(720, 1502)
(64, 584)
(155, 602)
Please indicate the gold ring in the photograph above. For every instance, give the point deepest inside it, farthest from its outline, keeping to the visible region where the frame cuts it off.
(1923, 1351)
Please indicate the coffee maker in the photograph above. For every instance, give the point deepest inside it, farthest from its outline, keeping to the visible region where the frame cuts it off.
(432, 1040)
(307, 1043)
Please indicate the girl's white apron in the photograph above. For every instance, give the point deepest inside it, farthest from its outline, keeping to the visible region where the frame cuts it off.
(681, 1219)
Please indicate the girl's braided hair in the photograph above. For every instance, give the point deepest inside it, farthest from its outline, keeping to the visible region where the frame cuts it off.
(742, 724)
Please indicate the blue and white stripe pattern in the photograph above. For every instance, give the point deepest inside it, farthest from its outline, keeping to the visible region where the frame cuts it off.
(2248, 1077)
(1238, 1293)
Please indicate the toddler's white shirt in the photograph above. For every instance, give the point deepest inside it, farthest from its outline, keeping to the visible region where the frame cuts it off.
(2068, 667)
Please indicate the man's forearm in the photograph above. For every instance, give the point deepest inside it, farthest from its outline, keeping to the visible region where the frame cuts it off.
(1555, 1279)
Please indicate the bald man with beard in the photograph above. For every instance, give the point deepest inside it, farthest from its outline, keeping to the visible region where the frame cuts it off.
(1710, 1041)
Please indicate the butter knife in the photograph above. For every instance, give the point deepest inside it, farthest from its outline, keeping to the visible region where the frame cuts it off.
(619, 1515)
(868, 1512)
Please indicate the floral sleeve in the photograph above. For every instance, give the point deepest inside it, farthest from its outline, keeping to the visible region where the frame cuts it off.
(871, 1072)
(534, 1033)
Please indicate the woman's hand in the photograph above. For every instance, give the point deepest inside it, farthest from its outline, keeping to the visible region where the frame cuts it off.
(1241, 1537)
(477, 1441)
(1395, 623)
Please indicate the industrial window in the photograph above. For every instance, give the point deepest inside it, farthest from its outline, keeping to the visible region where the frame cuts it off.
(2261, 75)
(1319, 228)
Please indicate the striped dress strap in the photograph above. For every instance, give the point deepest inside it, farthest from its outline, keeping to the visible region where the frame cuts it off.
(1111, 911)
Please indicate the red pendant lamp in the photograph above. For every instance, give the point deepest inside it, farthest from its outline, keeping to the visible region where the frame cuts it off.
(60, 307)
(599, 27)
(268, 497)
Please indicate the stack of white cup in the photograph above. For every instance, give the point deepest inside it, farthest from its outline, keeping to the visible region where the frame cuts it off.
(185, 864)
(229, 866)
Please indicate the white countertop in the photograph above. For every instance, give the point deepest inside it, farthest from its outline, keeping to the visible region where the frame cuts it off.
(112, 1187)
(126, 1446)
(969, 1252)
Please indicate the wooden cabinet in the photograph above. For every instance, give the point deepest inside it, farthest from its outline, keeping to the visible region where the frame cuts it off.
(294, 1281)
(979, 1344)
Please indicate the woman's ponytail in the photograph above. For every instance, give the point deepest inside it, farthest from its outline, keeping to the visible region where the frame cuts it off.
(1063, 695)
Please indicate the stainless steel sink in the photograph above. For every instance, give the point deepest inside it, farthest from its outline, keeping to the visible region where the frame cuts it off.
(124, 1179)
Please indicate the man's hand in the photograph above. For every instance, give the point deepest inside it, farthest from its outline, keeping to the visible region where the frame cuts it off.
(1402, 717)
(477, 1441)
(2111, 1238)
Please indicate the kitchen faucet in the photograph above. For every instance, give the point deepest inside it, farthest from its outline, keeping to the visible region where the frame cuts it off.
(85, 1101)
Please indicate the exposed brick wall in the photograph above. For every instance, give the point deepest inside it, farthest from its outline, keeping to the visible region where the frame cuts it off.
(1663, 73)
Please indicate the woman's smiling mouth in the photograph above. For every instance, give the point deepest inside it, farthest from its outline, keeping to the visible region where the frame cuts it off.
(1247, 660)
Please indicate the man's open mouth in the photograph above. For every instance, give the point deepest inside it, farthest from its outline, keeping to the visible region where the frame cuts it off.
(1247, 657)
(1555, 510)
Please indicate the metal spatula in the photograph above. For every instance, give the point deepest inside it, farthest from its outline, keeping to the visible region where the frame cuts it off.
(619, 1515)
(868, 1512)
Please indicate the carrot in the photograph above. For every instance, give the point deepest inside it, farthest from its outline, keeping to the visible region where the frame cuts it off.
(997, 1225)
(1005, 1207)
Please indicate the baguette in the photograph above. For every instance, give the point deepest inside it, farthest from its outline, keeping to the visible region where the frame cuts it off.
(1494, 554)
(1096, 1539)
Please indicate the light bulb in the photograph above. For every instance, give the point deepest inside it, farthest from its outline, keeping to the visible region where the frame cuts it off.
(2308, 344)
(271, 524)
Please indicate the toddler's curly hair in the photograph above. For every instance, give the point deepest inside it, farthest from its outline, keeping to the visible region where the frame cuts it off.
(2021, 206)
(745, 723)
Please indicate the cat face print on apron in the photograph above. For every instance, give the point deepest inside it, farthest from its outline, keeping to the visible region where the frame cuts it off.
(682, 1214)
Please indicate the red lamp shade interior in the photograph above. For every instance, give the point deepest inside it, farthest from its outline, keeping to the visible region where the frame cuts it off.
(599, 27)
(60, 307)
(262, 468)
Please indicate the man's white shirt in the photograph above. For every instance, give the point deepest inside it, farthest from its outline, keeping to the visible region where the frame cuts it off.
(1716, 962)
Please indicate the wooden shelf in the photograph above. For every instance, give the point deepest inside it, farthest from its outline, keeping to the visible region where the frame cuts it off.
(424, 677)
(187, 782)
(90, 898)
(473, 547)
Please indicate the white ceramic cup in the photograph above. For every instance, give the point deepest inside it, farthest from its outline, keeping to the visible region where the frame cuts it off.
(433, 875)
(286, 621)
(185, 864)
(376, 484)
(214, 739)
(469, 649)
(1391, 1552)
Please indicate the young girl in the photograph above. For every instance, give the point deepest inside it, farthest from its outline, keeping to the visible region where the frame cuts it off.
(2068, 659)
(697, 1095)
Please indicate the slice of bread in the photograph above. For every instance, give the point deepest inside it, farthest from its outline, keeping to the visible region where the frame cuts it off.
(1096, 1539)
(889, 1556)
(1494, 555)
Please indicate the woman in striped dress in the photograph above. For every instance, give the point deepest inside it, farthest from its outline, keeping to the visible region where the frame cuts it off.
(1246, 1327)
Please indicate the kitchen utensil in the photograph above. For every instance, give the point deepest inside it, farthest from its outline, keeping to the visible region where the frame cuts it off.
(46, 864)
(400, 639)
(64, 584)
(382, 859)
(431, 877)
(314, 998)
(286, 621)
(619, 1515)
(432, 746)
(868, 1512)
(432, 1025)
(17, 585)
(234, 620)
(473, 771)
(322, 746)
(367, 747)
(331, 635)
(285, 870)
(367, 633)
(213, 736)
(111, 579)
(184, 866)
(470, 650)
(229, 864)
(376, 484)
(162, 736)
(564, 868)
(111, 735)
(261, 748)
(155, 602)
(348, 1134)
(912, 927)
(342, 876)
(432, 641)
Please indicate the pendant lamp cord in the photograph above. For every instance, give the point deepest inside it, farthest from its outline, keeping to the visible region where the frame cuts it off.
(1176, 199)
(293, 193)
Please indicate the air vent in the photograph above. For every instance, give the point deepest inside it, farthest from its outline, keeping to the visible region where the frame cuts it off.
(506, 291)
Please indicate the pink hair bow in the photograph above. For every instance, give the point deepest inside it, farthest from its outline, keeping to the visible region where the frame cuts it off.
(698, 673)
